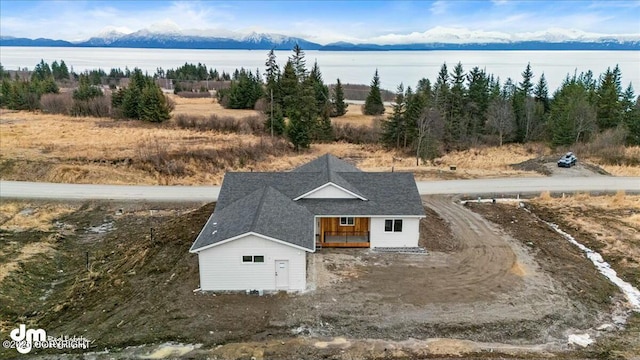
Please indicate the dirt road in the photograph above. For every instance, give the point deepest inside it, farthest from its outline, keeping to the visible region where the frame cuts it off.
(494, 187)
(491, 281)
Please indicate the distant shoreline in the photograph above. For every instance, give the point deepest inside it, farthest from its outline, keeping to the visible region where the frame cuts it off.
(222, 45)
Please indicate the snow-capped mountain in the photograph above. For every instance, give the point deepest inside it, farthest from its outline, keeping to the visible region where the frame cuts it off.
(168, 35)
(444, 35)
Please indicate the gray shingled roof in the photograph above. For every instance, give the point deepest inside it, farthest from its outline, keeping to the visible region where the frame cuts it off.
(263, 202)
(265, 211)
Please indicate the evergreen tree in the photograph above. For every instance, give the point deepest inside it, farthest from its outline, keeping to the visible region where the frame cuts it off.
(321, 127)
(631, 116)
(272, 76)
(339, 106)
(141, 99)
(541, 93)
(526, 86)
(299, 63)
(289, 88)
(275, 120)
(442, 94)
(373, 104)
(477, 100)
(85, 90)
(153, 105)
(572, 117)
(393, 126)
(41, 72)
(608, 100)
(244, 91)
(455, 128)
(632, 122)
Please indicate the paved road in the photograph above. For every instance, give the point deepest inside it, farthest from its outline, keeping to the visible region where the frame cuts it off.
(486, 187)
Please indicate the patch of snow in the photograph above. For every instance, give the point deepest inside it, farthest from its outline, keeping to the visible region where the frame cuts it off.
(171, 350)
(101, 229)
(583, 340)
(630, 292)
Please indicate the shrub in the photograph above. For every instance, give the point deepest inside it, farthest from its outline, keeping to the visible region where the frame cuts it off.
(227, 124)
(56, 103)
(152, 155)
(193, 95)
(96, 107)
(356, 134)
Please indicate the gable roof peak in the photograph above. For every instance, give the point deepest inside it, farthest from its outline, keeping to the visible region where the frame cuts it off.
(327, 164)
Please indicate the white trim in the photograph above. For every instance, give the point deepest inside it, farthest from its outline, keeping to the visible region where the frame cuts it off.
(393, 225)
(247, 234)
(200, 233)
(329, 184)
(373, 216)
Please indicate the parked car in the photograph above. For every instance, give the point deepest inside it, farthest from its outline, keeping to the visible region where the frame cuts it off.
(567, 160)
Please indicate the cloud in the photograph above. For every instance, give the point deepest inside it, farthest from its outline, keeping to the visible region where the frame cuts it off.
(317, 21)
(439, 7)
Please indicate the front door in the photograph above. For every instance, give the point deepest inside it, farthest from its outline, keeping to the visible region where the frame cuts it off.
(282, 274)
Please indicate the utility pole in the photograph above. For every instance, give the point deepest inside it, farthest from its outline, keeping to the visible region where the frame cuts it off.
(271, 113)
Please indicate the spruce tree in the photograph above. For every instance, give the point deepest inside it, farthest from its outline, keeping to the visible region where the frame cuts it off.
(373, 105)
(541, 93)
(608, 96)
(299, 63)
(339, 106)
(393, 126)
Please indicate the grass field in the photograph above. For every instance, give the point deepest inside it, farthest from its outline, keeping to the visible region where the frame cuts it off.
(55, 148)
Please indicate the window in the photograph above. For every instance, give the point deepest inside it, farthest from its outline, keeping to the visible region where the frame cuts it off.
(253, 258)
(346, 221)
(394, 225)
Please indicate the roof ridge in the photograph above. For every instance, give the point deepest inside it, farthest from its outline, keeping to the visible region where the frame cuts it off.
(265, 189)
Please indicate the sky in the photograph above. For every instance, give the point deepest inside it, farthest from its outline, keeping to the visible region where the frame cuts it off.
(318, 21)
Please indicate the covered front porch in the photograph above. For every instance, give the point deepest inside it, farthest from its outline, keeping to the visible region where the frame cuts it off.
(352, 232)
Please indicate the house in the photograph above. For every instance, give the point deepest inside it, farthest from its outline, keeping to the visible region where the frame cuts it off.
(264, 224)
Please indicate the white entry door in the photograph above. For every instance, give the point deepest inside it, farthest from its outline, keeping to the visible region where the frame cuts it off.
(282, 274)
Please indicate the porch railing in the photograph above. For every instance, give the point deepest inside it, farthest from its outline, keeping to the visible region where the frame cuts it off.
(346, 236)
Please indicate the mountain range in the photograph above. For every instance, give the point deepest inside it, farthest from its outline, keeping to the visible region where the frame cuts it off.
(434, 39)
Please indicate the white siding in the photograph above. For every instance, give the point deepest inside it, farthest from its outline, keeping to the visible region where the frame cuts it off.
(330, 192)
(407, 238)
(221, 267)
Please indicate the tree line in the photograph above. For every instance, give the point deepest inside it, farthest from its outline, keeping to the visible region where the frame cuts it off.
(457, 110)
(461, 109)
(142, 99)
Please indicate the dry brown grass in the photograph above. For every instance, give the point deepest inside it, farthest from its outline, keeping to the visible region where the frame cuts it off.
(60, 148)
(57, 148)
(354, 116)
(206, 107)
(25, 253)
(23, 216)
(629, 152)
(613, 221)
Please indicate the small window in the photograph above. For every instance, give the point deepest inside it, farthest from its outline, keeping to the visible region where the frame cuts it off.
(346, 221)
(388, 225)
(253, 258)
(393, 225)
(397, 225)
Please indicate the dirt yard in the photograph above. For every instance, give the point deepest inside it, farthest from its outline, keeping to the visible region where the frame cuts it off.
(507, 286)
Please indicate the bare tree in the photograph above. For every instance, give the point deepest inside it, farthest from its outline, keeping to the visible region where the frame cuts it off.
(533, 119)
(430, 126)
(583, 116)
(500, 118)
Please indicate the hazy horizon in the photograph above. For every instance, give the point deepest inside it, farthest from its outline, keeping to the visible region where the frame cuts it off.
(380, 22)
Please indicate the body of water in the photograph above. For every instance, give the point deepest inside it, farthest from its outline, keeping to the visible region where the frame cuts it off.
(356, 67)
